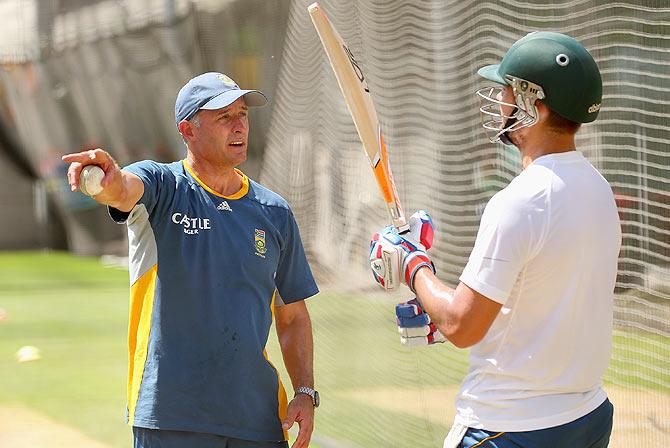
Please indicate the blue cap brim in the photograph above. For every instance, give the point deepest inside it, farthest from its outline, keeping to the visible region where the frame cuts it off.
(490, 72)
(253, 98)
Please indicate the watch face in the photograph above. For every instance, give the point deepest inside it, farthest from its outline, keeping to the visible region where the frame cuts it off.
(317, 400)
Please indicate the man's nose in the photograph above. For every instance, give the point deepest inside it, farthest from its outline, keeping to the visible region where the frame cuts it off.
(239, 124)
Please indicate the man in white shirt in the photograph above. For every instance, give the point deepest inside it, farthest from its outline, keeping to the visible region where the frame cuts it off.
(535, 298)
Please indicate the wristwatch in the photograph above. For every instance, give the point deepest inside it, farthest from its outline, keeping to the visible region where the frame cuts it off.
(311, 392)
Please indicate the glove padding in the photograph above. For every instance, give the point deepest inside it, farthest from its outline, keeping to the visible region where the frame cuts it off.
(395, 258)
(421, 228)
(415, 326)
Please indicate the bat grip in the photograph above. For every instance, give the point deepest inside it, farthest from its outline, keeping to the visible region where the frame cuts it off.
(403, 229)
(398, 218)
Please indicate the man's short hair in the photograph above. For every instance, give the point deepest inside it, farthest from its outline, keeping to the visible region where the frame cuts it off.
(195, 119)
(196, 122)
(561, 124)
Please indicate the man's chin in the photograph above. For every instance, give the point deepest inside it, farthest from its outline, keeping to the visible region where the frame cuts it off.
(237, 156)
(512, 139)
(241, 159)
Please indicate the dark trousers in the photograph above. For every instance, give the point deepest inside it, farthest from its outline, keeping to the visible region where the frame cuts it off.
(159, 438)
(590, 431)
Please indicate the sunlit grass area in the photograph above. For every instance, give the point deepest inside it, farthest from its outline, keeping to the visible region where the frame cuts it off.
(374, 391)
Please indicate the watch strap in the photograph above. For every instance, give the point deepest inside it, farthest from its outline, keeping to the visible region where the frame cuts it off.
(307, 391)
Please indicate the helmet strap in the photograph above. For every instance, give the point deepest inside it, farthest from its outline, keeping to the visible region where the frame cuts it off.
(504, 137)
(505, 140)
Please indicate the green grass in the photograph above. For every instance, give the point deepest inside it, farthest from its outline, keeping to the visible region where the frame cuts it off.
(75, 311)
(357, 350)
(641, 359)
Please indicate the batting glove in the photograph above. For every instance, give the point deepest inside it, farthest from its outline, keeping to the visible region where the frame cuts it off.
(421, 228)
(415, 326)
(395, 258)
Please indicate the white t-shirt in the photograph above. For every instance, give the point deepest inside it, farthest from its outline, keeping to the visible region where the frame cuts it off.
(547, 250)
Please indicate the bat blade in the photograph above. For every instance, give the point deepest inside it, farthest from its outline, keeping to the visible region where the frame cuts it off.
(357, 96)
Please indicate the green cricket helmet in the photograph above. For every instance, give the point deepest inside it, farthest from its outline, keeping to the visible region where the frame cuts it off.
(546, 66)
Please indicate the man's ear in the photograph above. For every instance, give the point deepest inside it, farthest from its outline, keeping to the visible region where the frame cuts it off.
(542, 110)
(185, 129)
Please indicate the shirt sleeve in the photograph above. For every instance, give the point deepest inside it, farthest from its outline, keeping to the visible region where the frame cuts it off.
(507, 239)
(152, 175)
(294, 277)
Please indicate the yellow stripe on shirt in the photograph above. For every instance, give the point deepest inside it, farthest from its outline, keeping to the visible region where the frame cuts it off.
(139, 326)
(281, 392)
(240, 193)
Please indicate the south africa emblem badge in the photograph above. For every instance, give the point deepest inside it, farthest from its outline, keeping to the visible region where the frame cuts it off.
(259, 242)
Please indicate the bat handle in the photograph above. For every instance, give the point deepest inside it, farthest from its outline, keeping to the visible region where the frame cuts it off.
(402, 229)
(398, 218)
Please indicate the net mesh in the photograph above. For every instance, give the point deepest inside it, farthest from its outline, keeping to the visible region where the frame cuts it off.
(81, 74)
(84, 73)
(420, 60)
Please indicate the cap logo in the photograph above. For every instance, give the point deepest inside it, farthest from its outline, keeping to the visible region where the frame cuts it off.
(226, 80)
(594, 108)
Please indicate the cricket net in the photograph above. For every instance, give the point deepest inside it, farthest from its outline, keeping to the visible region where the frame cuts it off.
(420, 61)
(106, 72)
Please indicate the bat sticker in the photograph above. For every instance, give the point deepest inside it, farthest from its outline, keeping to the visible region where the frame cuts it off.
(357, 68)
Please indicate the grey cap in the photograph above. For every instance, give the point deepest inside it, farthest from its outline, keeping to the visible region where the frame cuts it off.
(212, 91)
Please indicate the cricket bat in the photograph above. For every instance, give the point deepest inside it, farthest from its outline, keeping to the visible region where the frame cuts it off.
(356, 93)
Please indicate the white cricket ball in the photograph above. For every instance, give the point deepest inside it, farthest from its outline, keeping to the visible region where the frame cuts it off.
(28, 353)
(89, 180)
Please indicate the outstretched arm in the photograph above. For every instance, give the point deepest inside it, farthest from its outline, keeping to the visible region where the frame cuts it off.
(120, 189)
(294, 330)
